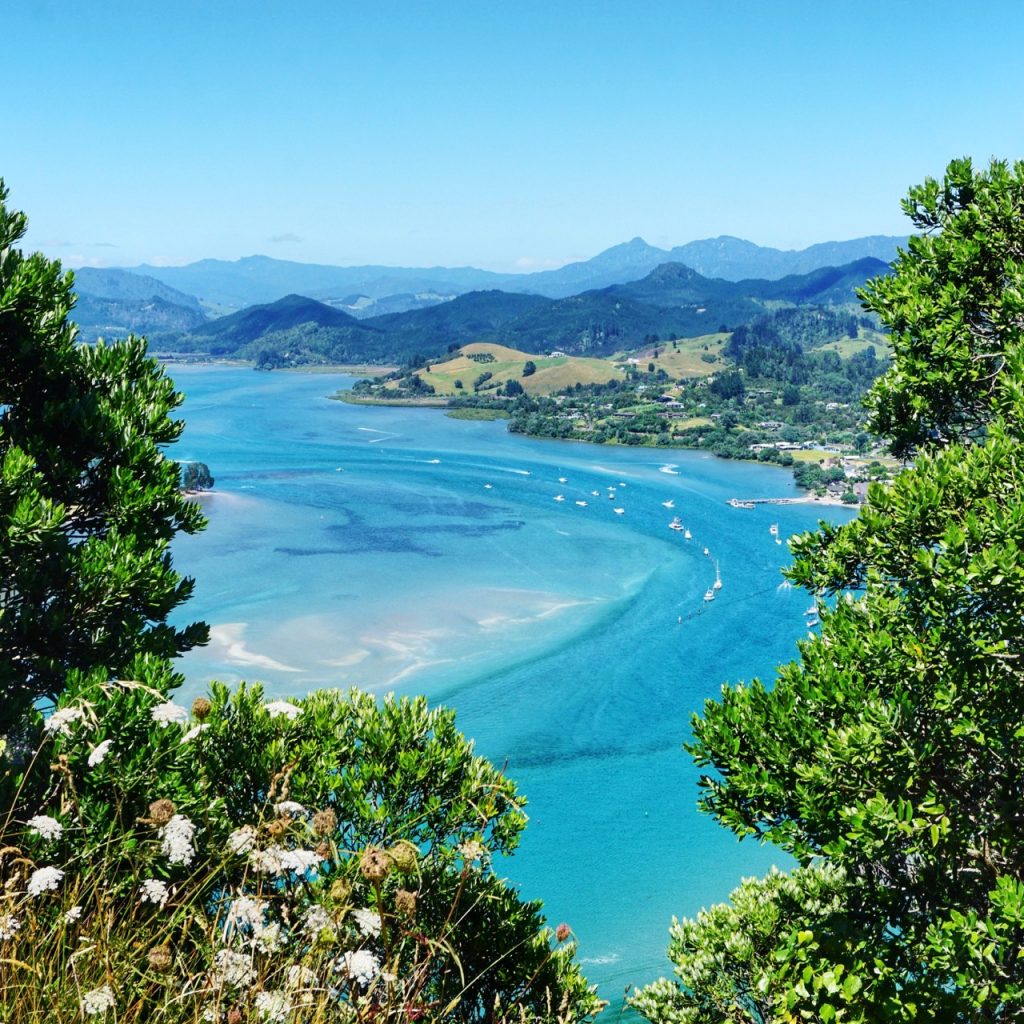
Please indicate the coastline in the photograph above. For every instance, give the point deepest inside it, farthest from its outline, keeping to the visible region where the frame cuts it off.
(806, 498)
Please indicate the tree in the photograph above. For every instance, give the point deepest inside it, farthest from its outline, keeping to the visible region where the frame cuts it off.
(529, 368)
(953, 308)
(891, 750)
(513, 388)
(196, 477)
(89, 503)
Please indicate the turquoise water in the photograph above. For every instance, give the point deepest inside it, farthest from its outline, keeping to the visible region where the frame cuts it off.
(398, 549)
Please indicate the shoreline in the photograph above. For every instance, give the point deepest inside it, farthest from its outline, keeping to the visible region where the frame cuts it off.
(806, 498)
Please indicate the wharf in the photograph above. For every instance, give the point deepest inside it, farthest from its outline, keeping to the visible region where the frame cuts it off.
(751, 502)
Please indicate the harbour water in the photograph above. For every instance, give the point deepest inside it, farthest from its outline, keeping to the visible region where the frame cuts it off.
(398, 549)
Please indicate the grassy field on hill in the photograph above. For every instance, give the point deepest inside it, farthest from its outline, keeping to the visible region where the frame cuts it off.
(553, 373)
(685, 359)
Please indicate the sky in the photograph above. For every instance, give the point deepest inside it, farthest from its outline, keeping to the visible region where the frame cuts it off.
(511, 136)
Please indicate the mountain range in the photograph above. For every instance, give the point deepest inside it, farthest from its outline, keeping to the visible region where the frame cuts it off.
(623, 295)
(671, 301)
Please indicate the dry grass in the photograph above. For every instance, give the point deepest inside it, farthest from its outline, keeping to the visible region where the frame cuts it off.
(554, 373)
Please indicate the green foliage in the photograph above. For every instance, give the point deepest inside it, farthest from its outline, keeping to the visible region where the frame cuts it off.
(293, 839)
(89, 503)
(891, 750)
(725, 960)
(954, 307)
(529, 368)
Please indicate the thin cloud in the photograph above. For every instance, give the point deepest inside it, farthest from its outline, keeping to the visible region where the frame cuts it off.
(286, 237)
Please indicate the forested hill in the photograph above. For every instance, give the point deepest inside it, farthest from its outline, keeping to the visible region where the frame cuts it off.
(671, 301)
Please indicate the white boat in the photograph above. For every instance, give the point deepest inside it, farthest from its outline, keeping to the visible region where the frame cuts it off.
(706, 552)
(595, 494)
(774, 529)
(618, 511)
(669, 504)
(582, 504)
(717, 585)
(487, 487)
(709, 594)
(611, 497)
(559, 497)
(676, 525)
(813, 622)
(561, 479)
(687, 535)
(813, 610)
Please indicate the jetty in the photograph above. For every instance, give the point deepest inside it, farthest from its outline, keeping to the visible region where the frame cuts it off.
(751, 502)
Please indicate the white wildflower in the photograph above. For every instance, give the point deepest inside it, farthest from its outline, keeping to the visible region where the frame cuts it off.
(273, 1005)
(194, 732)
(154, 891)
(168, 712)
(368, 922)
(60, 721)
(9, 926)
(268, 937)
(361, 965)
(247, 912)
(45, 826)
(472, 849)
(72, 915)
(43, 879)
(178, 840)
(300, 976)
(283, 707)
(98, 752)
(231, 968)
(276, 860)
(98, 1001)
(316, 919)
(291, 808)
(242, 839)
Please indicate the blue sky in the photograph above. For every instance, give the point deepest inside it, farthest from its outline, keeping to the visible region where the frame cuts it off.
(516, 135)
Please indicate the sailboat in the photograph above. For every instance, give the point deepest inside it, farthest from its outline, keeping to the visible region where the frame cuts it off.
(676, 524)
(709, 594)
(687, 535)
(717, 585)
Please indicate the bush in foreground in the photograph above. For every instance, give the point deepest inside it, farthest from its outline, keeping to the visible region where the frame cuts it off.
(320, 859)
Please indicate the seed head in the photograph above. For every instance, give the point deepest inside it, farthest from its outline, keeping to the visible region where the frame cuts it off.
(235, 1016)
(201, 708)
(340, 891)
(160, 958)
(324, 851)
(405, 903)
(278, 827)
(374, 864)
(161, 812)
(325, 822)
(404, 856)
(562, 932)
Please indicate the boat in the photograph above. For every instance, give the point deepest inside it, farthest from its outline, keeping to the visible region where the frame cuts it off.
(487, 487)
(709, 594)
(687, 535)
(669, 504)
(676, 525)
(582, 504)
(774, 530)
(611, 497)
(559, 497)
(706, 552)
(717, 585)
(618, 511)
(813, 610)
(595, 494)
(561, 479)
(813, 622)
